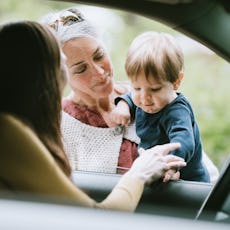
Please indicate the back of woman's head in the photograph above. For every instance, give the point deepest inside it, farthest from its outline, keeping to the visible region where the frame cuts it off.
(30, 62)
(31, 78)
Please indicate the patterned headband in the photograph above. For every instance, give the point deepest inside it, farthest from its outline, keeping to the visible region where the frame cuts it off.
(70, 24)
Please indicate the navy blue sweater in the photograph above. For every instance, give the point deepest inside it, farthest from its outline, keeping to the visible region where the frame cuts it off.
(174, 123)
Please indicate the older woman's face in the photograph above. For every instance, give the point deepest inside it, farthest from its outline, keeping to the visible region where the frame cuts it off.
(89, 67)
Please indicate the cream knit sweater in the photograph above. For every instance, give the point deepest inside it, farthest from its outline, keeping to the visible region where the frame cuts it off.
(92, 148)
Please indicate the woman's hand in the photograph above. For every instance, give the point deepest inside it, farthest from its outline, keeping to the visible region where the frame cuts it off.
(121, 87)
(152, 164)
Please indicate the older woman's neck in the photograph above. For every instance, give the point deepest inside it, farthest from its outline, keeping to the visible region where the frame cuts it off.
(105, 105)
(100, 104)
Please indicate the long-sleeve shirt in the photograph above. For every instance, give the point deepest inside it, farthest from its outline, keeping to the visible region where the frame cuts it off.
(27, 166)
(174, 123)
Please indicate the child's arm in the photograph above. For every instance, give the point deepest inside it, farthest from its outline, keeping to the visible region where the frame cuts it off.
(121, 113)
(179, 128)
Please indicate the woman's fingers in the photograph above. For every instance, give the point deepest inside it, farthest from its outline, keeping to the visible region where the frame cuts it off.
(170, 158)
(163, 149)
(175, 162)
(120, 89)
(166, 148)
(152, 164)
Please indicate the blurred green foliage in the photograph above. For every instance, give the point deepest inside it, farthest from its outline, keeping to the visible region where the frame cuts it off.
(206, 75)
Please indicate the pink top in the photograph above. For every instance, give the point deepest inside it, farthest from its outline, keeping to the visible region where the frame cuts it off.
(128, 151)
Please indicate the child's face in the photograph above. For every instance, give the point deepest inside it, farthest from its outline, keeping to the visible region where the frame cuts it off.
(151, 95)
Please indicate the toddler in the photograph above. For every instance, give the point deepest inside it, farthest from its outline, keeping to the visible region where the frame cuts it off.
(154, 64)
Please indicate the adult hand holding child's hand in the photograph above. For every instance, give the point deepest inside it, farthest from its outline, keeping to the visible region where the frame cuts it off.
(153, 163)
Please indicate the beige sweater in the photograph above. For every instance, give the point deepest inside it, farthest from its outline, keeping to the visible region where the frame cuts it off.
(27, 166)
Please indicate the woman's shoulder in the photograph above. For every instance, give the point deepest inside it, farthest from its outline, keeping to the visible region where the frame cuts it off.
(10, 123)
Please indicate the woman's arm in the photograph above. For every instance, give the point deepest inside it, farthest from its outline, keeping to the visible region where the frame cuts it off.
(27, 166)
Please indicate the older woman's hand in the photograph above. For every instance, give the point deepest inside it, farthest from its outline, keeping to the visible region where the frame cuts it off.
(152, 164)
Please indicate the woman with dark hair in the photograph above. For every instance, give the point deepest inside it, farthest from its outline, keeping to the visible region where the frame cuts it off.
(32, 158)
(29, 57)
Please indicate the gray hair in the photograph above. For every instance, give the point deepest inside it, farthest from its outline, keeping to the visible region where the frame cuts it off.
(69, 24)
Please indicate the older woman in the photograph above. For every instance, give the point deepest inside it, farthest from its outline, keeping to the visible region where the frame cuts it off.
(91, 140)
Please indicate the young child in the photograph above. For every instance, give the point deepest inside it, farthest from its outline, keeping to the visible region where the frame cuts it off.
(155, 65)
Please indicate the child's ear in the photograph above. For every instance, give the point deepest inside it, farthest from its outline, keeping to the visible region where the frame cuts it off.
(177, 83)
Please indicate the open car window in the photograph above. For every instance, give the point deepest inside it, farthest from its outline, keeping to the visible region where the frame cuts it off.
(205, 71)
(206, 85)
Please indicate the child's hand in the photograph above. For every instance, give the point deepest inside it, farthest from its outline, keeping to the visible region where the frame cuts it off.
(121, 114)
(171, 174)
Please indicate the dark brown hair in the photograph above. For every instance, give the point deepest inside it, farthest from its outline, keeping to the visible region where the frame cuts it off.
(31, 79)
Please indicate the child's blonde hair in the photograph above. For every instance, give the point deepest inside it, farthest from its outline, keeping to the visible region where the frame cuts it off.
(157, 55)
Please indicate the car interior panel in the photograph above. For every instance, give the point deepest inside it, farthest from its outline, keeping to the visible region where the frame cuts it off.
(179, 194)
(216, 205)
